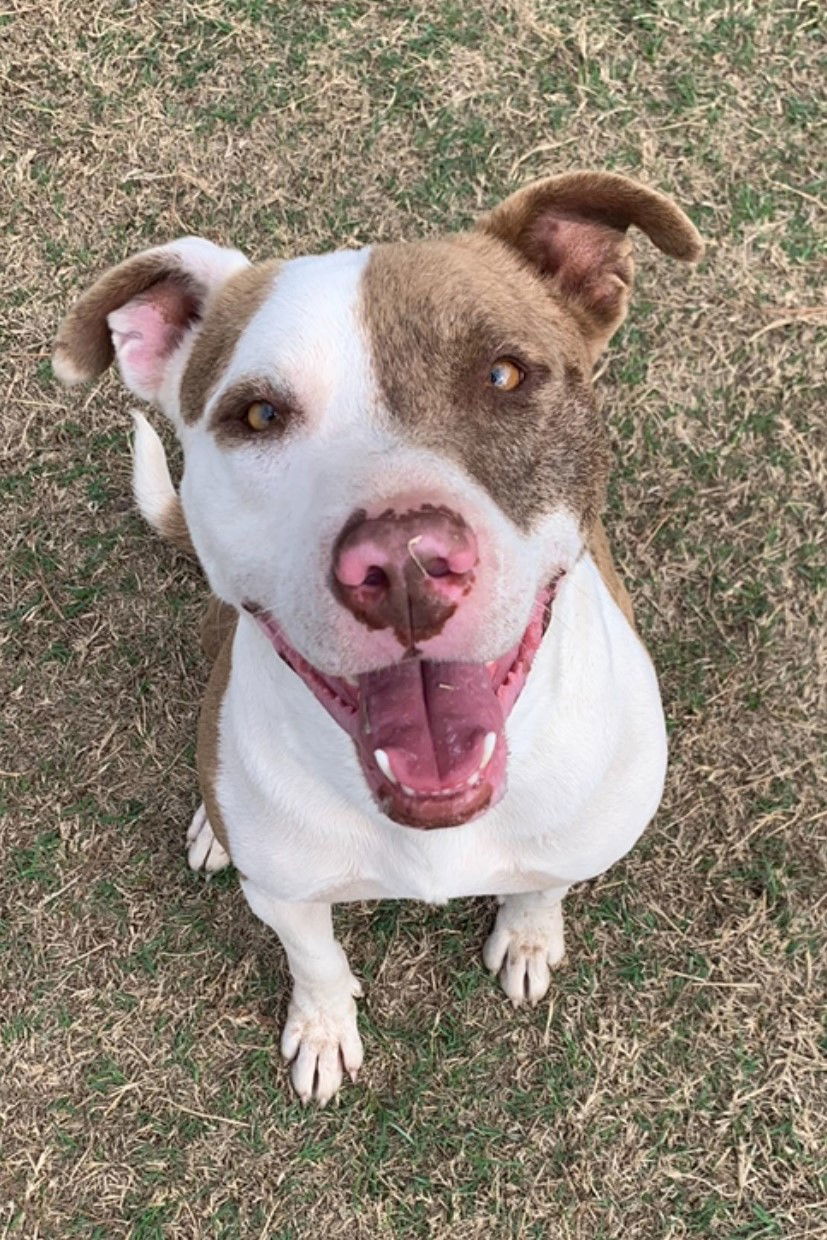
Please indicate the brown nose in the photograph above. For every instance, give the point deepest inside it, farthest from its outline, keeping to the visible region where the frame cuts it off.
(407, 571)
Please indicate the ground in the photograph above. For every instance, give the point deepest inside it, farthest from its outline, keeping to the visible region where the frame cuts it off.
(670, 1086)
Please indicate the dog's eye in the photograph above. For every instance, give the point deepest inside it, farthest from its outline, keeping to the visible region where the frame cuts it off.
(505, 375)
(260, 415)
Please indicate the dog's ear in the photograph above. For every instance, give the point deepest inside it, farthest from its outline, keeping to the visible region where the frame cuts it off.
(572, 230)
(146, 312)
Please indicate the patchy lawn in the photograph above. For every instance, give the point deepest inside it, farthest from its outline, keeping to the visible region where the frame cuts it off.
(671, 1086)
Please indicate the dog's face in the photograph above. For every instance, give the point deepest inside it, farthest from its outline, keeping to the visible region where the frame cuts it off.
(392, 455)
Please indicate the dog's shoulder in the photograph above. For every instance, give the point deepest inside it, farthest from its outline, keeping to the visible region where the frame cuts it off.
(600, 552)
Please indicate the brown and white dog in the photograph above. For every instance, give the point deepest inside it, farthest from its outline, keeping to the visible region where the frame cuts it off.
(427, 682)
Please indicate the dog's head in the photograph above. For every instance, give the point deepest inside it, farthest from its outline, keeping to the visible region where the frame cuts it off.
(392, 455)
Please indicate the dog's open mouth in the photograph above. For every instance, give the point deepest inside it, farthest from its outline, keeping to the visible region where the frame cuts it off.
(430, 735)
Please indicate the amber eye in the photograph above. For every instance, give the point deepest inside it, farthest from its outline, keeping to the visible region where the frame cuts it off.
(505, 375)
(260, 415)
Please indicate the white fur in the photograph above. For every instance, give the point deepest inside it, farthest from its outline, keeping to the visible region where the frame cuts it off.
(66, 370)
(151, 481)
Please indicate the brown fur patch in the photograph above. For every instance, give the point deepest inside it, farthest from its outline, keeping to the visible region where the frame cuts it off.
(83, 348)
(216, 623)
(598, 548)
(225, 318)
(217, 626)
(173, 527)
(438, 314)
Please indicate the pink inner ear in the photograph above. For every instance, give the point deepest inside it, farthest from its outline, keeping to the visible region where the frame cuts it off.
(147, 331)
(590, 259)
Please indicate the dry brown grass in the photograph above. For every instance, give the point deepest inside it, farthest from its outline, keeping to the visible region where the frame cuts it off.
(671, 1087)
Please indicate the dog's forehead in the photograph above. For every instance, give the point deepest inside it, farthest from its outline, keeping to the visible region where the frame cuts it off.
(306, 329)
(319, 309)
(464, 291)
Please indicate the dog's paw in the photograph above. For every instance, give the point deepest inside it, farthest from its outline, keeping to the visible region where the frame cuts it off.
(524, 946)
(321, 1041)
(204, 853)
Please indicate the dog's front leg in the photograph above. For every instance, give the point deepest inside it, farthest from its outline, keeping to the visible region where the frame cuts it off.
(320, 1038)
(526, 943)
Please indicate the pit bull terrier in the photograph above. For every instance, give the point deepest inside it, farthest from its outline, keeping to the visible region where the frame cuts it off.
(427, 681)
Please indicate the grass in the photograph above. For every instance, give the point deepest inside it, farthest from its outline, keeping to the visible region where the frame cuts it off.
(670, 1087)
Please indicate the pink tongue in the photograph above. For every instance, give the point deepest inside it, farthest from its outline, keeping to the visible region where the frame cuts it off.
(431, 719)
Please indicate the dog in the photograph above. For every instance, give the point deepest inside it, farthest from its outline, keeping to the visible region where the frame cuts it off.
(427, 681)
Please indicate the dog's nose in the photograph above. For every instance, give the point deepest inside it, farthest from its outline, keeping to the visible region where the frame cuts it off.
(406, 570)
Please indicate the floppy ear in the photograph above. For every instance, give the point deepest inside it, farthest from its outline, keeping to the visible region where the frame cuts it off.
(572, 229)
(145, 312)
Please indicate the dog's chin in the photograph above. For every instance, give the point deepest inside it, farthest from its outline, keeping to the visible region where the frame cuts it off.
(429, 734)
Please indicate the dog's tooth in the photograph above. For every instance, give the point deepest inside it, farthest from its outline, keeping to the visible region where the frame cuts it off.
(384, 763)
(410, 791)
(488, 747)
